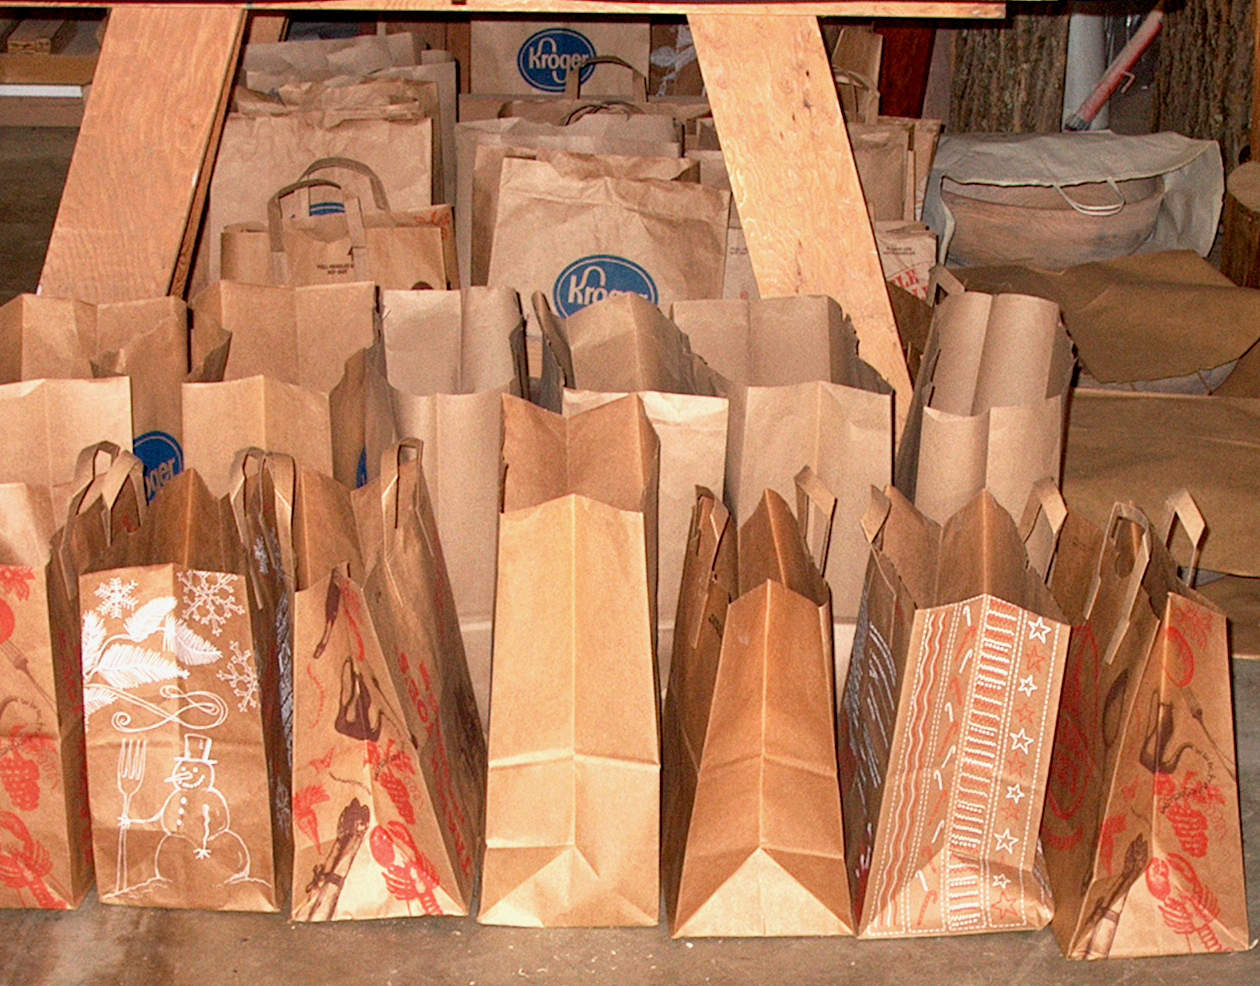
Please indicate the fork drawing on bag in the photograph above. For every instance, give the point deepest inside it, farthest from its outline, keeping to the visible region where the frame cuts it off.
(130, 777)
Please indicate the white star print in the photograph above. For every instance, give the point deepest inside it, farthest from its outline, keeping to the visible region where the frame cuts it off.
(1005, 841)
(1038, 629)
(1021, 741)
(1015, 793)
(1027, 685)
(1001, 881)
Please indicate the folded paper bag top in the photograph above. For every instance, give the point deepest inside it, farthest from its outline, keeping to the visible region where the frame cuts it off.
(946, 722)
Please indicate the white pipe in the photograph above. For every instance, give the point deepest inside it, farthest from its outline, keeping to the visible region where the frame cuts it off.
(1086, 60)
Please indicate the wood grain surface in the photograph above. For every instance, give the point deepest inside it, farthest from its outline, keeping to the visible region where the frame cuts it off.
(138, 179)
(793, 174)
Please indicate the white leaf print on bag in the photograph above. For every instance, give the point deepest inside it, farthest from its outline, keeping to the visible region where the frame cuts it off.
(148, 618)
(93, 641)
(127, 666)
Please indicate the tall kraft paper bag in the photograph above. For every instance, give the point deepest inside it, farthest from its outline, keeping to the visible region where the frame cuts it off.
(799, 395)
(45, 837)
(1141, 831)
(178, 742)
(989, 403)
(947, 721)
(390, 760)
(624, 344)
(449, 358)
(578, 240)
(572, 802)
(764, 846)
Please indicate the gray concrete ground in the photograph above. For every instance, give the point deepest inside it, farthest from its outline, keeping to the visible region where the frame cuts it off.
(118, 946)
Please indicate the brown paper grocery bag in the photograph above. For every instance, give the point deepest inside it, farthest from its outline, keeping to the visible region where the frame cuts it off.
(50, 421)
(259, 154)
(1141, 831)
(450, 356)
(389, 750)
(764, 848)
(946, 724)
(573, 637)
(534, 57)
(146, 340)
(989, 403)
(799, 396)
(578, 240)
(177, 745)
(221, 419)
(45, 841)
(405, 250)
(298, 335)
(624, 344)
(476, 197)
(488, 172)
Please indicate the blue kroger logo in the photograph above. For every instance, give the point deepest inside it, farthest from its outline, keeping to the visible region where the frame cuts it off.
(547, 55)
(162, 457)
(360, 470)
(595, 278)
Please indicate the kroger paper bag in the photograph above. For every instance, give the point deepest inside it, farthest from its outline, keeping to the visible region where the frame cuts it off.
(534, 56)
(580, 240)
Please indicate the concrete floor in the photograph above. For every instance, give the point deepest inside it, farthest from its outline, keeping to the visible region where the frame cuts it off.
(99, 945)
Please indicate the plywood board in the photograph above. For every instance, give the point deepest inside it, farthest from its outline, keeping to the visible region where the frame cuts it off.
(139, 171)
(793, 174)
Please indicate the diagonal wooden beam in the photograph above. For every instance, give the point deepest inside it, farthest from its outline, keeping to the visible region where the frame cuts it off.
(138, 179)
(793, 174)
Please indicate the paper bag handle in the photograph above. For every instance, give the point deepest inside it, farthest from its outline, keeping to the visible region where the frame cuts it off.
(1181, 507)
(379, 198)
(1045, 503)
(354, 225)
(586, 109)
(393, 496)
(121, 470)
(813, 495)
(876, 514)
(252, 462)
(573, 78)
(1133, 581)
(944, 279)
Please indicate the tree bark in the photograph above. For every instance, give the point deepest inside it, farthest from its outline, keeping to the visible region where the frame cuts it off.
(1008, 77)
(1203, 73)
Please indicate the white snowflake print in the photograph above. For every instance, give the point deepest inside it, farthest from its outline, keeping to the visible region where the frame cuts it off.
(209, 598)
(116, 596)
(241, 677)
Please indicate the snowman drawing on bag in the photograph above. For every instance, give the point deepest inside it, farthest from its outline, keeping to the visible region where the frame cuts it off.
(197, 841)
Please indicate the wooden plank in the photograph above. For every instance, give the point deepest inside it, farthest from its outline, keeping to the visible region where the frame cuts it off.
(31, 111)
(40, 36)
(266, 28)
(967, 9)
(140, 168)
(73, 66)
(793, 174)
